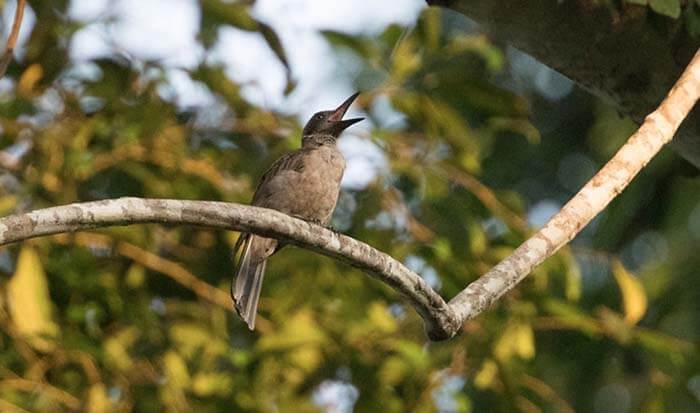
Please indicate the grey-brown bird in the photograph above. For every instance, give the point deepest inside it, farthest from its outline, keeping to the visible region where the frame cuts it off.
(304, 183)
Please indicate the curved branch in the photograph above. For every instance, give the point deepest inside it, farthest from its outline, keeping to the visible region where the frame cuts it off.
(657, 130)
(442, 320)
(12, 38)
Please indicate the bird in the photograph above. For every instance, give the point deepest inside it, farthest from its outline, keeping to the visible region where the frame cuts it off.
(304, 183)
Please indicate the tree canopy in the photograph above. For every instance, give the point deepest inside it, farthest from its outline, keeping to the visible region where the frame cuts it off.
(471, 146)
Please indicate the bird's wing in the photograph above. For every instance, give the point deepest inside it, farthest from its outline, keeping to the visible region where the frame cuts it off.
(292, 161)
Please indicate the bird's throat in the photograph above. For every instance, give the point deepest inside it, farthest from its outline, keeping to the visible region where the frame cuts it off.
(316, 140)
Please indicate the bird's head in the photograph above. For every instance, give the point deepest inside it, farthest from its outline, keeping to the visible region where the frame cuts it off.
(330, 123)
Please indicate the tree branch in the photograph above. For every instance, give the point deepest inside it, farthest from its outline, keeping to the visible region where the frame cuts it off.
(657, 130)
(442, 320)
(12, 38)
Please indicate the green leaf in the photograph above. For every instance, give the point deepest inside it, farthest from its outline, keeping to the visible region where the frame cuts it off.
(670, 8)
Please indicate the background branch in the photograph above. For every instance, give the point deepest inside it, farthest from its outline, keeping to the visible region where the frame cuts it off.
(12, 38)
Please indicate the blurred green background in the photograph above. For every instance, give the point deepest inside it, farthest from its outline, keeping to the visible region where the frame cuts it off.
(468, 146)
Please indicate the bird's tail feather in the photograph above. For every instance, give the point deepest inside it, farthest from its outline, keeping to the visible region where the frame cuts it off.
(250, 271)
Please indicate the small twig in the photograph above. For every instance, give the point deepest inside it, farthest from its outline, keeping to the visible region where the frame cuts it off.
(46, 389)
(485, 195)
(12, 39)
(545, 392)
(6, 406)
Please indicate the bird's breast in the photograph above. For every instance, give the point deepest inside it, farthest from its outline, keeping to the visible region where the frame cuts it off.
(320, 183)
(311, 191)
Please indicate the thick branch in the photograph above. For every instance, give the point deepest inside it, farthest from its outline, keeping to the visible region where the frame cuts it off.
(442, 320)
(657, 130)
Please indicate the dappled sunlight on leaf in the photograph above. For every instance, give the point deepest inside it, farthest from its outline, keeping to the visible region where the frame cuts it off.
(634, 298)
(30, 303)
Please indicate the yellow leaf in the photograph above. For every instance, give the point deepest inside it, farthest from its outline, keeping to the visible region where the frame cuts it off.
(634, 298)
(477, 239)
(381, 318)
(97, 401)
(176, 370)
(7, 204)
(517, 339)
(116, 348)
(29, 78)
(486, 376)
(299, 329)
(393, 371)
(135, 276)
(307, 358)
(208, 384)
(30, 303)
(195, 340)
(525, 341)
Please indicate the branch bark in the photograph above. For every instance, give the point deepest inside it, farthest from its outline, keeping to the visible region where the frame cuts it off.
(12, 38)
(624, 53)
(442, 320)
(439, 318)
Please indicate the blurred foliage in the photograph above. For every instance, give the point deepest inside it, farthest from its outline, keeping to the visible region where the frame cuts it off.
(138, 318)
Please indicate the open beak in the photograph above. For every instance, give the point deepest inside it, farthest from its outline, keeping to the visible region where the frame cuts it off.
(337, 115)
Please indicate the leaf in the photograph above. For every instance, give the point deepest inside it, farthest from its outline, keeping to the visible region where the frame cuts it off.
(238, 15)
(116, 348)
(8, 204)
(516, 125)
(361, 46)
(477, 239)
(176, 370)
(209, 384)
(298, 330)
(98, 401)
(274, 42)
(393, 371)
(572, 279)
(135, 276)
(518, 339)
(634, 298)
(30, 303)
(670, 8)
(487, 374)
(571, 316)
(381, 318)
(29, 79)
(193, 339)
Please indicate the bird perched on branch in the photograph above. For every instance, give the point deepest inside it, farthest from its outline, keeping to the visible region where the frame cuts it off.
(304, 183)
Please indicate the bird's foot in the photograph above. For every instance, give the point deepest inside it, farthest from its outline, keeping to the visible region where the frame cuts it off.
(316, 221)
(309, 220)
(319, 223)
(333, 230)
